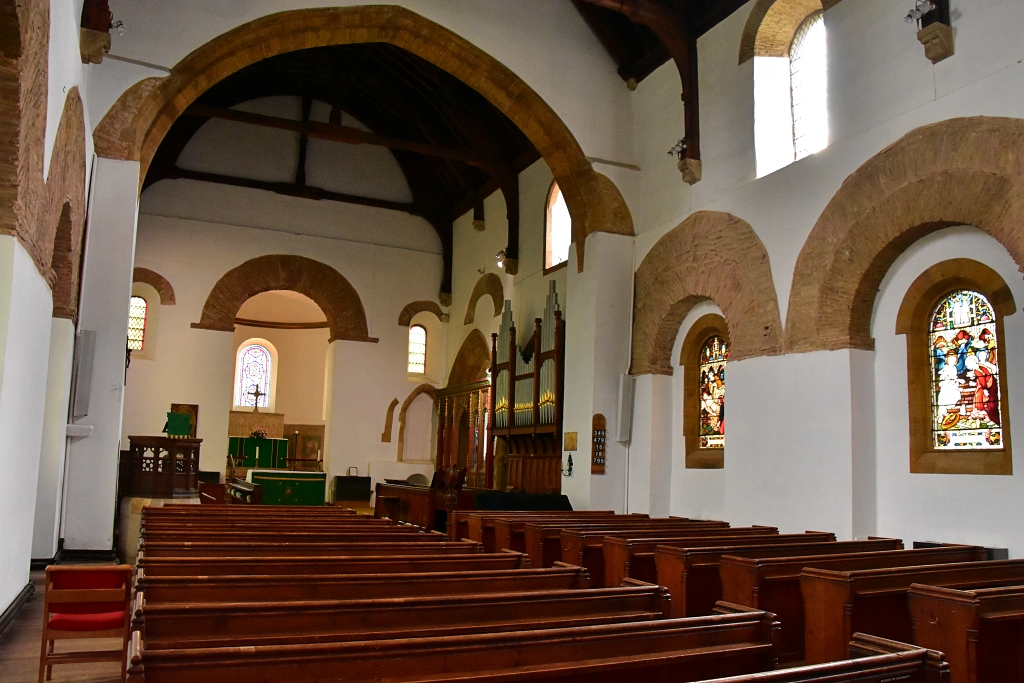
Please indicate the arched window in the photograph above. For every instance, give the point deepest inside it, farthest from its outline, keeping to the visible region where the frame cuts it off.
(704, 356)
(963, 345)
(952, 316)
(137, 310)
(417, 350)
(558, 230)
(253, 376)
(808, 78)
(791, 96)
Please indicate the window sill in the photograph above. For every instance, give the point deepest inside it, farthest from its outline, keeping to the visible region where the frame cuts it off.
(555, 268)
(706, 459)
(962, 462)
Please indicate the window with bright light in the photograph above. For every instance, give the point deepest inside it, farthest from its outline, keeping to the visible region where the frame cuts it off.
(253, 374)
(417, 349)
(137, 323)
(558, 233)
(791, 99)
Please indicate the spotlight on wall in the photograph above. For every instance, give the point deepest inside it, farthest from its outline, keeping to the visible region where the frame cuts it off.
(568, 472)
(678, 149)
(501, 258)
(920, 8)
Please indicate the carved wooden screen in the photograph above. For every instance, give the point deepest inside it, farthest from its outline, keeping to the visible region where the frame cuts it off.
(463, 434)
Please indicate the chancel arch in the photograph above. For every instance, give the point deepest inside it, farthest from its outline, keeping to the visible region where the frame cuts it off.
(335, 296)
(137, 123)
(965, 171)
(711, 255)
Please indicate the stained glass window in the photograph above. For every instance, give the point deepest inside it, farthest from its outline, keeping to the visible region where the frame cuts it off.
(713, 357)
(559, 229)
(417, 349)
(963, 347)
(253, 386)
(137, 323)
(809, 82)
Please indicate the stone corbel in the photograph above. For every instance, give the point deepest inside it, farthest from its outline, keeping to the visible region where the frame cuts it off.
(93, 45)
(691, 170)
(937, 39)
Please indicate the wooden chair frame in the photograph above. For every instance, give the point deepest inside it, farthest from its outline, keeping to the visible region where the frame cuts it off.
(48, 658)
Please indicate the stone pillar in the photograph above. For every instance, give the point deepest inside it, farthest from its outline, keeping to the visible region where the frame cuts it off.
(597, 309)
(54, 439)
(106, 289)
(650, 451)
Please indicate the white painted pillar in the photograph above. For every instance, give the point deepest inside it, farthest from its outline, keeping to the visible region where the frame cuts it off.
(106, 289)
(54, 439)
(598, 305)
(650, 453)
(26, 306)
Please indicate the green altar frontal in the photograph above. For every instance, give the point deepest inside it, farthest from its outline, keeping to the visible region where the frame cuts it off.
(264, 453)
(283, 487)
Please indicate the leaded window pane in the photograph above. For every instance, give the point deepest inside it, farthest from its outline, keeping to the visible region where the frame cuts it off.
(713, 357)
(417, 349)
(808, 69)
(254, 377)
(137, 323)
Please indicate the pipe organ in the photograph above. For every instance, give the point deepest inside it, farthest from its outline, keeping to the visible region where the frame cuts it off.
(526, 398)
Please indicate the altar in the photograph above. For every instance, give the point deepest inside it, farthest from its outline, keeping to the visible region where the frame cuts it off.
(283, 487)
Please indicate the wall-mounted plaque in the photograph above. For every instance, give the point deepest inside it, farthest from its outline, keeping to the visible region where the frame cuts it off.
(569, 441)
(597, 445)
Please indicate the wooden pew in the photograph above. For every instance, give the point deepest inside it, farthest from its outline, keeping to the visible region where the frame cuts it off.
(656, 651)
(627, 556)
(321, 564)
(175, 510)
(874, 601)
(206, 589)
(980, 630)
(878, 661)
(383, 546)
(775, 583)
(692, 578)
(361, 536)
(458, 520)
(484, 527)
(189, 625)
(546, 542)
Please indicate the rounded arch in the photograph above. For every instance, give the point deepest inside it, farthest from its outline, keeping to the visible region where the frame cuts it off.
(414, 307)
(772, 24)
(966, 171)
(157, 282)
(472, 361)
(335, 296)
(489, 284)
(711, 255)
(427, 389)
(139, 120)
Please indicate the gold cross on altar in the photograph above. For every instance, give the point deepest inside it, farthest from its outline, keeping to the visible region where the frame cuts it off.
(256, 396)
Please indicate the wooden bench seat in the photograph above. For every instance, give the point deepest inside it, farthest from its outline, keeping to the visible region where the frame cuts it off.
(286, 548)
(261, 524)
(877, 661)
(980, 630)
(874, 601)
(656, 652)
(628, 556)
(206, 589)
(477, 525)
(327, 564)
(171, 533)
(543, 541)
(190, 625)
(511, 533)
(776, 582)
(692, 578)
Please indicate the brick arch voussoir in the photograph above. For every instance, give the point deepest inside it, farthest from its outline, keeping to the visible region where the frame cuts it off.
(956, 172)
(413, 308)
(157, 282)
(490, 285)
(335, 296)
(709, 256)
(139, 121)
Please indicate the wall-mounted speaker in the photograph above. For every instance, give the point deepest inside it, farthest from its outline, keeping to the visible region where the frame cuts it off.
(625, 422)
(85, 354)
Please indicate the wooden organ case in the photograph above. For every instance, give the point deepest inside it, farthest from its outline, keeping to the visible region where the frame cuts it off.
(527, 399)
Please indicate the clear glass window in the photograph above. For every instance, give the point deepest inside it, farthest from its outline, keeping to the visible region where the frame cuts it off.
(713, 357)
(253, 387)
(417, 349)
(963, 345)
(808, 77)
(558, 235)
(137, 311)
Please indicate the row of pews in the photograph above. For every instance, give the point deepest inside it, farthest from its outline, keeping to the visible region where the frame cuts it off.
(230, 594)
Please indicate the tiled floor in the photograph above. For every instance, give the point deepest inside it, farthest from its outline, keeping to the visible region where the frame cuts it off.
(19, 649)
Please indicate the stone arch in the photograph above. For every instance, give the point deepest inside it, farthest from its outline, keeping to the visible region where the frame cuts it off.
(389, 420)
(135, 126)
(772, 24)
(711, 255)
(157, 282)
(335, 296)
(472, 360)
(414, 307)
(965, 171)
(489, 284)
(427, 389)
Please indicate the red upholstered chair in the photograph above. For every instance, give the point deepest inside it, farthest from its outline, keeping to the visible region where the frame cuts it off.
(86, 602)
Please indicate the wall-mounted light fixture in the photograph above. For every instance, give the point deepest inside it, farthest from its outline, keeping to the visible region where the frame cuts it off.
(568, 472)
(690, 168)
(500, 256)
(935, 31)
(920, 8)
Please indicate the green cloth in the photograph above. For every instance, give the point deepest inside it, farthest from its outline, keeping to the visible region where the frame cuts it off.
(178, 424)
